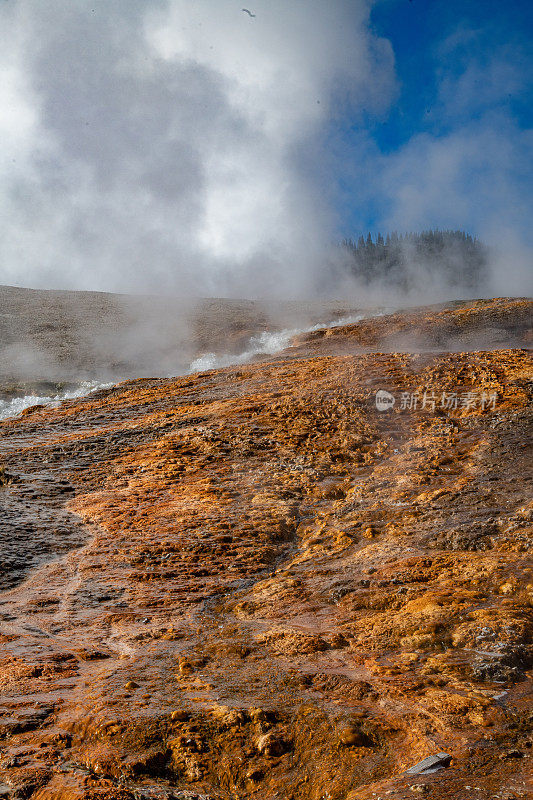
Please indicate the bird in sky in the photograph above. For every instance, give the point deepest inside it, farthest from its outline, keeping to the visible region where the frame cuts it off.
(248, 12)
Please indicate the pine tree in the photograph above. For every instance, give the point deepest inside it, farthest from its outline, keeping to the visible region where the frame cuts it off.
(457, 257)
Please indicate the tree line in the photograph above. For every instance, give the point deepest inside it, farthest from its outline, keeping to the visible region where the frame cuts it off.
(455, 257)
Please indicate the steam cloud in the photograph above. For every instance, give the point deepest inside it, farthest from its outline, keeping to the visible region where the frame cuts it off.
(154, 145)
(179, 146)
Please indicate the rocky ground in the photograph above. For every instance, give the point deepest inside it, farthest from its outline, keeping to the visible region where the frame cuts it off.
(252, 583)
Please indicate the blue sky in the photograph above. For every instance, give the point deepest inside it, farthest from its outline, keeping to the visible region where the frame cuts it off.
(464, 76)
(417, 31)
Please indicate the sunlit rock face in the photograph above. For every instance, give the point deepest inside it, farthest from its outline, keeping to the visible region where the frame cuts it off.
(251, 582)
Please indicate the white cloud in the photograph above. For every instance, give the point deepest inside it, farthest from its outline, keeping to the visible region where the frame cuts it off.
(473, 170)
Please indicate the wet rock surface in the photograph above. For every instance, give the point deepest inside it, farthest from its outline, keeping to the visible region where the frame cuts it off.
(34, 526)
(250, 583)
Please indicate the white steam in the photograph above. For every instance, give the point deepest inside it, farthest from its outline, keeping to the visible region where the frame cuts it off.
(184, 147)
(265, 343)
(165, 145)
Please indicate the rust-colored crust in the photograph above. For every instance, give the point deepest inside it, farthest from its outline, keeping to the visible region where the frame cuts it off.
(272, 589)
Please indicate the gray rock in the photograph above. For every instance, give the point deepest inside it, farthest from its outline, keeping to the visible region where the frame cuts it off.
(429, 764)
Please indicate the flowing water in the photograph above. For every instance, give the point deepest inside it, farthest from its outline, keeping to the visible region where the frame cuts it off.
(15, 405)
(265, 343)
(268, 343)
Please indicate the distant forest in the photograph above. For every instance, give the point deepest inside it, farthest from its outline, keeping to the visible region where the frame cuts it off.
(454, 257)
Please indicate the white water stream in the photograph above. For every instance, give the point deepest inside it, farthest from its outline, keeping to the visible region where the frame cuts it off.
(14, 406)
(265, 343)
(268, 343)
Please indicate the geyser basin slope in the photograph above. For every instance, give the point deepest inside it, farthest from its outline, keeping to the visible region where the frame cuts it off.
(288, 592)
(70, 336)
